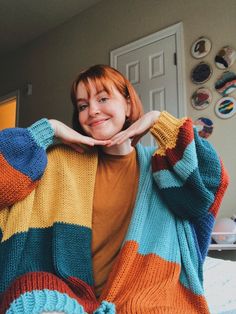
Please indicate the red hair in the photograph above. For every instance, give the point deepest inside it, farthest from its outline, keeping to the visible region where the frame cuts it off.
(104, 77)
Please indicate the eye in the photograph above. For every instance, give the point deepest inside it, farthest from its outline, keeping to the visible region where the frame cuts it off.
(82, 107)
(103, 99)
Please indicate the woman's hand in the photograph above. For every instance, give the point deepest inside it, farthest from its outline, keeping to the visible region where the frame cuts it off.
(72, 138)
(137, 130)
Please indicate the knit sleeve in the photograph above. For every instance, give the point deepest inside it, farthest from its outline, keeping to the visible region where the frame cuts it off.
(23, 160)
(190, 175)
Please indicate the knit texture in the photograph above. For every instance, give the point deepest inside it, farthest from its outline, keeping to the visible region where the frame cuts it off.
(45, 250)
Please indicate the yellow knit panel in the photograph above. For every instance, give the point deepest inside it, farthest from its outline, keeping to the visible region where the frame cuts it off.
(166, 130)
(64, 194)
(3, 218)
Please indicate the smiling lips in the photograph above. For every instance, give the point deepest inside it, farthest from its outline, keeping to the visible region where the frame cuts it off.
(97, 122)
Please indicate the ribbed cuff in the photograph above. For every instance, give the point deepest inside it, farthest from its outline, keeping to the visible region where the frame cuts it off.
(38, 292)
(39, 301)
(42, 132)
(166, 129)
(106, 308)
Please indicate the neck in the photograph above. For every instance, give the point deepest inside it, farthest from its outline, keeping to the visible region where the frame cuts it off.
(121, 149)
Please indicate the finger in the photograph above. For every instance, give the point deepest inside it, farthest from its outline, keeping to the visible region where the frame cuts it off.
(124, 137)
(121, 137)
(91, 141)
(103, 143)
(116, 140)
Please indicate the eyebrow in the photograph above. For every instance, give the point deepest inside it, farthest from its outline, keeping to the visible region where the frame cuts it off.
(81, 99)
(99, 92)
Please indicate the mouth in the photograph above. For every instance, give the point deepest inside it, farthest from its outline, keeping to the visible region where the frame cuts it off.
(97, 122)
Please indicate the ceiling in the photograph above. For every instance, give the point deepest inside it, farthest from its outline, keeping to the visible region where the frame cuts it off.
(24, 20)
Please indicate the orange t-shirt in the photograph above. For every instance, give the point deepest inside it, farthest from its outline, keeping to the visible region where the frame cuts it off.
(114, 197)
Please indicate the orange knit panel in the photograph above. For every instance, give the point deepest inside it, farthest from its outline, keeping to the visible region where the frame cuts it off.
(14, 185)
(149, 284)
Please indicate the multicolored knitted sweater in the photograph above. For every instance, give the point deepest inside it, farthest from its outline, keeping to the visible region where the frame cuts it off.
(46, 202)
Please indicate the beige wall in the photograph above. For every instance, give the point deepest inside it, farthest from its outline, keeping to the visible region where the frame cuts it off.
(51, 62)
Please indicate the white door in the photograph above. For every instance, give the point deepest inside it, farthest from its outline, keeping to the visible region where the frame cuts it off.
(151, 68)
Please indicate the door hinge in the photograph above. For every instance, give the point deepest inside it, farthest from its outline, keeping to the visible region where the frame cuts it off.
(175, 58)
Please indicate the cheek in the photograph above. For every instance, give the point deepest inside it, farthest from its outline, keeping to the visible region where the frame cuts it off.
(81, 117)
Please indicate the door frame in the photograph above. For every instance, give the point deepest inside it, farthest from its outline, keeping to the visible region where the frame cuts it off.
(177, 31)
(8, 97)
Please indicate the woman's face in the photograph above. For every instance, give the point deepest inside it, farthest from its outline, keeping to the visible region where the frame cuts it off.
(101, 115)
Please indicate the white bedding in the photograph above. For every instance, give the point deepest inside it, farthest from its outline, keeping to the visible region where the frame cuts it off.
(220, 285)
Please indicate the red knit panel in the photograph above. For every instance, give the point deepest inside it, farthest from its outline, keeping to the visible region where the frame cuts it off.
(14, 185)
(220, 193)
(185, 137)
(84, 292)
(43, 280)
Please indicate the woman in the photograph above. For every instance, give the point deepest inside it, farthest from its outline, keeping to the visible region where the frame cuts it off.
(108, 226)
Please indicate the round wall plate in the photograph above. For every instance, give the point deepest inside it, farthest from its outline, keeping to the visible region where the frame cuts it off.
(225, 57)
(204, 126)
(225, 107)
(201, 98)
(226, 84)
(201, 47)
(201, 73)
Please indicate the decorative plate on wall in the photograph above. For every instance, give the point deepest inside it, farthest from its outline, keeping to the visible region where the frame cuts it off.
(226, 84)
(225, 107)
(201, 47)
(204, 126)
(201, 73)
(225, 57)
(201, 98)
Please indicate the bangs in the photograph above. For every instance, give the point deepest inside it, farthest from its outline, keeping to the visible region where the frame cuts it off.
(100, 83)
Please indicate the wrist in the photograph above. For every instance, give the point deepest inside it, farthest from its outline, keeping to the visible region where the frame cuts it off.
(53, 124)
(155, 114)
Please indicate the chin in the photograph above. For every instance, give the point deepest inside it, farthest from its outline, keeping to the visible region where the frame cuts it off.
(103, 135)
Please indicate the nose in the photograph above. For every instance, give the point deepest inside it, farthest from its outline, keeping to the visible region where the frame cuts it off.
(94, 108)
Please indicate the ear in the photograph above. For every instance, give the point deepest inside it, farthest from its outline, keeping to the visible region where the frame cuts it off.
(128, 107)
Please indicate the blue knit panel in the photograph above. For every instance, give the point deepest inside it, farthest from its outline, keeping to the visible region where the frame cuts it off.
(30, 252)
(152, 225)
(203, 227)
(39, 250)
(193, 199)
(22, 152)
(181, 170)
(157, 230)
(208, 163)
(191, 266)
(39, 301)
(72, 251)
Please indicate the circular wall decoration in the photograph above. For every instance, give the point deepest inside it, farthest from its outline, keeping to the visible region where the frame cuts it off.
(225, 57)
(201, 98)
(201, 73)
(204, 126)
(201, 47)
(226, 84)
(226, 107)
